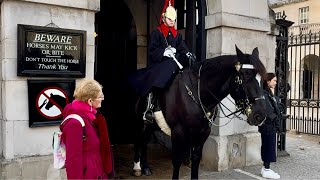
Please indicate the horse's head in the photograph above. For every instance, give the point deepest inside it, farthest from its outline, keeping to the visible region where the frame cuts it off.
(246, 88)
(49, 104)
(58, 100)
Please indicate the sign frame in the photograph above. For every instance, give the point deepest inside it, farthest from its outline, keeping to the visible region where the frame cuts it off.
(25, 68)
(35, 89)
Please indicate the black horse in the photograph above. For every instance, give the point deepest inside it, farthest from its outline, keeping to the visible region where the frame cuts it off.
(189, 102)
(59, 100)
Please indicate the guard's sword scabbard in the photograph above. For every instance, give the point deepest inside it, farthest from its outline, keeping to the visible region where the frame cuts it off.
(178, 63)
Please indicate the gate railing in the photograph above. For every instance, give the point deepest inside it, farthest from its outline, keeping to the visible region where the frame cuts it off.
(304, 29)
(304, 78)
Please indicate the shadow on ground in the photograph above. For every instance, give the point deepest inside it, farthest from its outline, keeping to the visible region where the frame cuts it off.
(159, 161)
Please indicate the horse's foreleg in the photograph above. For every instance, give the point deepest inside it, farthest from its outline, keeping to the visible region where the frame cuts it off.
(196, 152)
(176, 162)
(136, 160)
(196, 155)
(147, 134)
(140, 164)
(138, 146)
(137, 152)
(143, 158)
(179, 150)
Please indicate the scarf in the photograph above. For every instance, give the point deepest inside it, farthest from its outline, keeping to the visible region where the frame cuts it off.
(105, 148)
(85, 108)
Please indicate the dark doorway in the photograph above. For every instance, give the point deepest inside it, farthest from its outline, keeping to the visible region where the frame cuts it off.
(116, 57)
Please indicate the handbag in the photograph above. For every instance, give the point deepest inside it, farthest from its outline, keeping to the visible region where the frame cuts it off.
(59, 148)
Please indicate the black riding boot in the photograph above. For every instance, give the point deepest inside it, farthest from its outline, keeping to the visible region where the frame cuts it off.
(152, 106)
(148, 116)
(156, 99)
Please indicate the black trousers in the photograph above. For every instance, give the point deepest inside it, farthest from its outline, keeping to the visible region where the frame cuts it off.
(268, 147)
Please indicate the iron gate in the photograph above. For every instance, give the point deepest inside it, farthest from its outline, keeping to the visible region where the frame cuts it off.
(304, 62)
(281, 70)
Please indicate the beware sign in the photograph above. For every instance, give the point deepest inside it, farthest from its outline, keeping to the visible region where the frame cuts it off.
(51, 52)
(47, 99)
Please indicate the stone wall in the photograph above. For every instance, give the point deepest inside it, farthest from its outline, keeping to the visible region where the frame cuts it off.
(38, 167)
(27, 151)
(18, 140)
(246, 24)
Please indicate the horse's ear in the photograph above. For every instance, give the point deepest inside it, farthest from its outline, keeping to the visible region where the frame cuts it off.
(255, 52)
(239, 52)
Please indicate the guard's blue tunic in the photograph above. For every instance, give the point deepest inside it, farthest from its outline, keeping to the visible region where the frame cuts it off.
(160, 70)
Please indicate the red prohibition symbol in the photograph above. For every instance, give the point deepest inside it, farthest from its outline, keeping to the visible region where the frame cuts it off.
(51, 101)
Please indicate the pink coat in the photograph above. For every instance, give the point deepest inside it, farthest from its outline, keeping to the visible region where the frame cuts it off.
(83, 159)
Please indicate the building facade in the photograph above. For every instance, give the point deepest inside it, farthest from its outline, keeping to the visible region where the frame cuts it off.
(304, 63)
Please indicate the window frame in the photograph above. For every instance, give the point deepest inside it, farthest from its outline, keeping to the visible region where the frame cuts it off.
(304, 15)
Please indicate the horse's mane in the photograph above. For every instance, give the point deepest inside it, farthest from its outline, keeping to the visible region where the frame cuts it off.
(212, 63)
(195, 67)
(215, 63)
(259, 67)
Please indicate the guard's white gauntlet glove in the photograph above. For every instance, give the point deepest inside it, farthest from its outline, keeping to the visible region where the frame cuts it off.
(170, 52)
(172, 49)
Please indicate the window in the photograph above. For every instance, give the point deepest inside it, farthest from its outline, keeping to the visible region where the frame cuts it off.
(278, 15)
(304, 15)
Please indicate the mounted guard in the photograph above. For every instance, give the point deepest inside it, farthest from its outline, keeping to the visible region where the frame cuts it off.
(189, 102)
(167, 55)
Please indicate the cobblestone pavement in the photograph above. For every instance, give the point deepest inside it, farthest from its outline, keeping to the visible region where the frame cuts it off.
(302, 163)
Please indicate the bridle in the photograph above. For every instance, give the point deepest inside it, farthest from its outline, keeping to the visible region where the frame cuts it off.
(244, 103)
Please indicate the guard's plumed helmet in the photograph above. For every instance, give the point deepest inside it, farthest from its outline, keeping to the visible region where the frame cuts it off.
(168, 10)
(170, 13)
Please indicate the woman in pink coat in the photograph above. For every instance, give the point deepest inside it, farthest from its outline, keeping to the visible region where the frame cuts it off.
(83, 160)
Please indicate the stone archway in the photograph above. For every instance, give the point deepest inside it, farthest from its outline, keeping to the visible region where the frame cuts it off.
(116, 57)
(310, 76)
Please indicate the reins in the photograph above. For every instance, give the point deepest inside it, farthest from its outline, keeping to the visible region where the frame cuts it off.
(211, 115)
(207, 112)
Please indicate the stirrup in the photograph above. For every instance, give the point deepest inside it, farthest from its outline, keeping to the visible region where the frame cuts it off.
(149, 101)
(148, 117)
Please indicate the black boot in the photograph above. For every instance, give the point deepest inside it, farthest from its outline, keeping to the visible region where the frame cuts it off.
(153, 105)
(156, 99)
(148, 115)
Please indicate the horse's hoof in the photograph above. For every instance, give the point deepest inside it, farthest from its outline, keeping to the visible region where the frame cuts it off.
(147, 172)
(137, 172)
